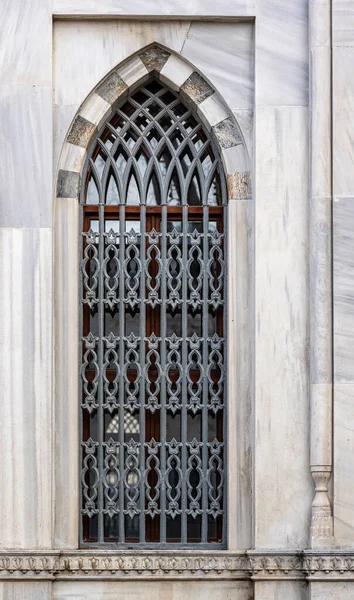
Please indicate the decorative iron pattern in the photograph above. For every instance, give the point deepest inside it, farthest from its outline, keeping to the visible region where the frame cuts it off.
(153, 313)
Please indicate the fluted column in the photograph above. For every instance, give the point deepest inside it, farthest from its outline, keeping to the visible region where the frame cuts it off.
(321, 267)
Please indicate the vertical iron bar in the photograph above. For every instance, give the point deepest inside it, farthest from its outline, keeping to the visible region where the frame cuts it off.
(205, 316)
(163, 342)
(121, 378)
(142, 365)
(81, 250)
(100, 371)
(225, 359)
(184, 370)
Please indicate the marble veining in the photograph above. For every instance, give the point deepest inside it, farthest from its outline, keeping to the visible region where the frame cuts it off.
(343, 290)
(238, 8)
(26, 162)
(99, 47)
(25, 383)
(224, 52)
(282, 53)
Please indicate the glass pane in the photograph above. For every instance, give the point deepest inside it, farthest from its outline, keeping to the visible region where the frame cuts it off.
(164, 293)
(153, 195)
(112, 196)
(92, 196)
(133, 196)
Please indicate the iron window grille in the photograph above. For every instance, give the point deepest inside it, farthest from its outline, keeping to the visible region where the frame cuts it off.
(153, 322)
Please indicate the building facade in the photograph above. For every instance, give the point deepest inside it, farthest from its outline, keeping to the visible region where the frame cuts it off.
(221, 134)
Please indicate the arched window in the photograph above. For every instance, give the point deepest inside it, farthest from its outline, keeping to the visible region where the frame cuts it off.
(153, 284)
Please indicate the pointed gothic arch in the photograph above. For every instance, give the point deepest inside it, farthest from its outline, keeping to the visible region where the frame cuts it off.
(196, 92)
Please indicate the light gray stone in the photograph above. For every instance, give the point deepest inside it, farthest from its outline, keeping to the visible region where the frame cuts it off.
(321, 289)
(244, 119)
(228, 133)
(175, 72)
(80, 132)
(196, 88)
(321, 123)
(99, 47)
(239, 335)
(154, 58)
(26, 590)
(320, 23)
(224, 52)
(328, 590)
(66, 368)
(111, 88)
(343, 444)
(238, 8)
(343, 115)
(171, 590)
(26, 42)
(281, 68)
(72, 158)
(343, 290)
(212, 110)
(282, 412)
(25, 383)
(279, 590)
(26, 162)
(95, 109)
(133, 71)
(343, 23)
(67, 184)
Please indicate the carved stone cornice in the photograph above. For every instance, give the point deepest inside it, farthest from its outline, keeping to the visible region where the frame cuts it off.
(149, 565)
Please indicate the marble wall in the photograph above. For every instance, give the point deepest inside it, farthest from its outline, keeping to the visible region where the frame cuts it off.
(281, 233)
(170, 590)
(343, 249)
(256, 53)
(26, 273)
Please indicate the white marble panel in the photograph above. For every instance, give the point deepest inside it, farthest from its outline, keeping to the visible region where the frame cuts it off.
(161, 590)
(175, 70)
(343, 448)
(26, 160)
(343, 289)
(66, 370)
(94, 109)
(236, 8)
(72, 158)
(283, 486)
(280, 590)
(212, 110)
(224, 52)
(343, 22)
(244, 119)
(239, 335)
(321, 155)
(99, 47)
(343, 121)
(133, 71)
(281, 57)
(25, 590)
(330, 590)
(320, 23)
(25, 384)
(26, 42)
(63, 116)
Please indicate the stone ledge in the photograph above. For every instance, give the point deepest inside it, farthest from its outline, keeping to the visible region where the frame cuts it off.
(173, 565)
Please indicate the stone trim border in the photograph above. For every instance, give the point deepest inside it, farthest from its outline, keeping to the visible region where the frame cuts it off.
(253, 565)
(198, 93)
(195, 90)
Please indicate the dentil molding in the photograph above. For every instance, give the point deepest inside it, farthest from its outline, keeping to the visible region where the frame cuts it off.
(150, 565)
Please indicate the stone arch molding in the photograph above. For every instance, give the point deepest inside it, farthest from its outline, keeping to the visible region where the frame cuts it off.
(180, 76)
(199, 94)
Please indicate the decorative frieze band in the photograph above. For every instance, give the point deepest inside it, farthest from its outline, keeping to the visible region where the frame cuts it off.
(150, 565)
